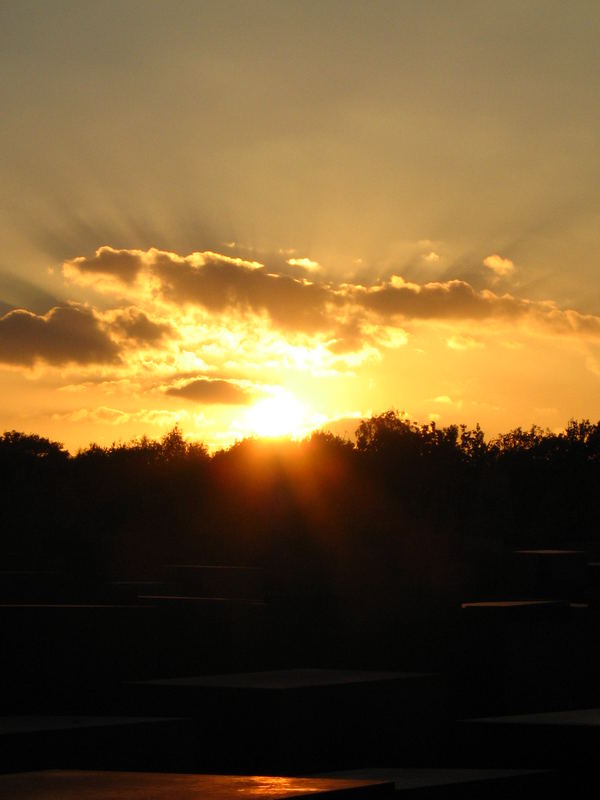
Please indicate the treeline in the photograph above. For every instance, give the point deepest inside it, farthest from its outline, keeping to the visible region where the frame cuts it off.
(404, 505)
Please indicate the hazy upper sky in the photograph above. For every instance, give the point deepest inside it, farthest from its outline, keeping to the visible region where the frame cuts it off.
(309, 211)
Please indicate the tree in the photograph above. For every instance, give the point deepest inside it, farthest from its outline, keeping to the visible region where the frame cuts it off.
(23, 446)
(382, 431)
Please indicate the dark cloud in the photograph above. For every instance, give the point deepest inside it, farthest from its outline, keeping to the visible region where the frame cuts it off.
(66, 334)
(122, 264)
(450, 300)
(348, 338)
(212, 392)
(458, 300)
(221, 286)
(137, 326)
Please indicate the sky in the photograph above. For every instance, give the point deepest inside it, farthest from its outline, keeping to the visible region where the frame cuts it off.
(268, 217)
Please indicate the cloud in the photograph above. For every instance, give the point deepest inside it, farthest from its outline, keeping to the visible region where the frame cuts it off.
(215, 392)
(209, 280)
(224, 285)
(113, 416)
(348, 337)
(105, 385)
(137, 326)
(305, 263)
(446, 400)
(390, 336)
(464, 343)
(290, 303)
(501, 267)
(453, 299)
(66, 334)
(122, 264)
(458, 300)
(126, 265)
(432, 257)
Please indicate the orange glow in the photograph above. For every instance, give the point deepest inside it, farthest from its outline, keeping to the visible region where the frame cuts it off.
(277, 416)
(271, 785)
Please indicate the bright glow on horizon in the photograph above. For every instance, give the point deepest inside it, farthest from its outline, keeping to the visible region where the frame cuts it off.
(277, 416)
(159, 268)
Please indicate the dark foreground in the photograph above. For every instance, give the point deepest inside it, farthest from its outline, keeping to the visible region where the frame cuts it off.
(158, 686)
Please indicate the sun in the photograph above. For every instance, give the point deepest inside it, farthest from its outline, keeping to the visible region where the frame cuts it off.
(277, 416)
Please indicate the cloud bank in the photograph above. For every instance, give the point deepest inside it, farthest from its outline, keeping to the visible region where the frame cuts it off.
(222, 284)
(203, 311)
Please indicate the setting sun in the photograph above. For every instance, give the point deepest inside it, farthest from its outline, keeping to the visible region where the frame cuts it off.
(285, 280)
(280, 415)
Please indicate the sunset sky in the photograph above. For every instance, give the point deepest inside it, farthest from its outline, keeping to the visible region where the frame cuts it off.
(266, 217)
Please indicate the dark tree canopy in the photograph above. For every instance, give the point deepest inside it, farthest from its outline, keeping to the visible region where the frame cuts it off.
(405, 502)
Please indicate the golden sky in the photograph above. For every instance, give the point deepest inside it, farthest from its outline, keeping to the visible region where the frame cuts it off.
(265, 217)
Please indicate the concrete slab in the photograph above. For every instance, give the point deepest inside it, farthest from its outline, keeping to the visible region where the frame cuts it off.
(518, 605)
(194, 600)
(518, 655)
(281, 680)
(407, 779)
(62, 652)
(31, 585)
(559, 738)
(37, 724)
(580, 717)
(303, 719)
(91, 742)
(550, 572)
(224, 580)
